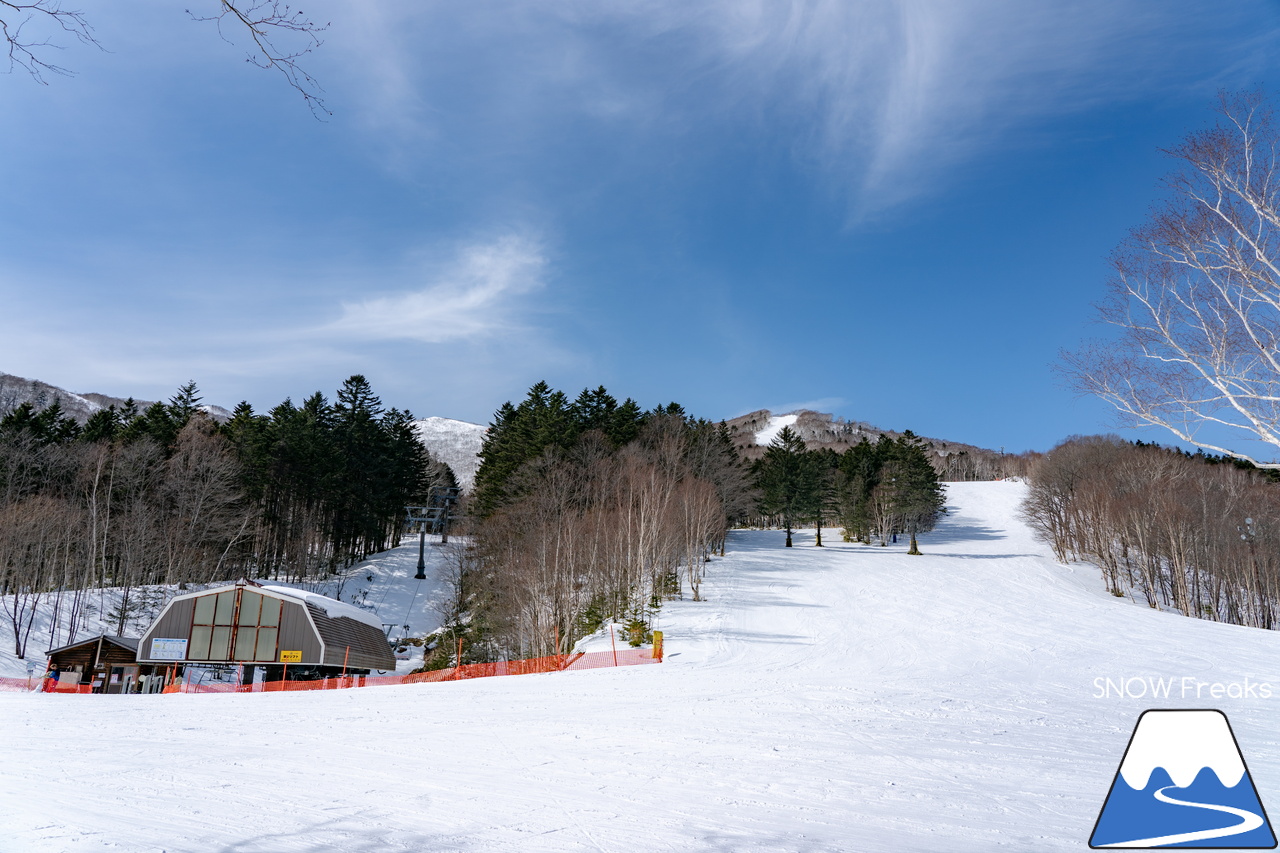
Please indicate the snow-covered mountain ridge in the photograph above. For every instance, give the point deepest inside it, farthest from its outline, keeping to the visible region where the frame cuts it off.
(456, 443)
(16, 390)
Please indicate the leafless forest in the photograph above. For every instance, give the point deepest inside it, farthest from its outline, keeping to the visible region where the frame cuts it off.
(1199, 535)
(595, 531)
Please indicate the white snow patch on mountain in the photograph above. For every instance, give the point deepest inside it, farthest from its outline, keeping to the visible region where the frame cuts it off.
(770, 430)
(456, 443)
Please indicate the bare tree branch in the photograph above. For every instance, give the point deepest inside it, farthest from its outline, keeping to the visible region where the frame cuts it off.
(282, 37)
(23, 51)
(1196, 294)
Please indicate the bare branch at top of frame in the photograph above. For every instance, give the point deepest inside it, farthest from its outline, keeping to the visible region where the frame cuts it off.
(282, 37)
(26, 53)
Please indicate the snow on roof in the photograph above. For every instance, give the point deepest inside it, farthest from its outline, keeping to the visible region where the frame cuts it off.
(334, 608)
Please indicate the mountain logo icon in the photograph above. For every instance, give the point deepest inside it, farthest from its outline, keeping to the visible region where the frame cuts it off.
(1183, 783)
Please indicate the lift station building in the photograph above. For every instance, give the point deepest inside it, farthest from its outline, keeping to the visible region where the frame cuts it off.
(288, 633)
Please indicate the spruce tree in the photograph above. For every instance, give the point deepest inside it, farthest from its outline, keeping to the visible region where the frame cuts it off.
(920, 495)
(789, 481)
(102, 425)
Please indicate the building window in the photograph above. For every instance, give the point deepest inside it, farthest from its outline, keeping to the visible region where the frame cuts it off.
(221, 631)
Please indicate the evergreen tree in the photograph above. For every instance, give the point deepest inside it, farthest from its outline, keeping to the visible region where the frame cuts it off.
(920, 495)
(856, 479)
(184, 405)
(595, 410)
(102, 425)
(789, 481)
(827, 465)
(156, 422)
(517, 435)
(45, 427)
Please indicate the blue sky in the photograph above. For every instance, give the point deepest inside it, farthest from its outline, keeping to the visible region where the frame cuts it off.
(895, 211)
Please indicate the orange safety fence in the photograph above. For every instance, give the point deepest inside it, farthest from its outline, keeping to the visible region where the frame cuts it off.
(551, 663)
(36, 684)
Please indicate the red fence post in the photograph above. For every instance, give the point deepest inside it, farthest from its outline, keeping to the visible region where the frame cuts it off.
(613, 643)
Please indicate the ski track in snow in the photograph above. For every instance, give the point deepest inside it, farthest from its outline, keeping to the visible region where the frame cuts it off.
(846, 698)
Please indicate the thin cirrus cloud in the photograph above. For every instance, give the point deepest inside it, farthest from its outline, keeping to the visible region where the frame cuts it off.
(476, 295)
(883, 98)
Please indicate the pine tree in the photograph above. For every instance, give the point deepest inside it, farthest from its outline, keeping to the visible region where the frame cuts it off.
(856, 479)
(920, 495)
(156, 423)
(102, 425)
(789, 481)
(519, 434)
(184, 405)
(46, 426)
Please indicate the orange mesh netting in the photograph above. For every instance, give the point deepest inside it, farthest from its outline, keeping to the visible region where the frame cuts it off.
(36, 683)
(551, 663)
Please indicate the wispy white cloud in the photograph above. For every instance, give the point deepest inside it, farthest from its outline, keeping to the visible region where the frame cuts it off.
(476, 294)
(883, 98)
(471, 311)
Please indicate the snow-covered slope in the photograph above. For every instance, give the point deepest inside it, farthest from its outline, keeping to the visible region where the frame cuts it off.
(769, 432)
(457, 443)
(847, 698)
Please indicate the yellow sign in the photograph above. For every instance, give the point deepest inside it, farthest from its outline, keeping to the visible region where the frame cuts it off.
(291, 657)
(657, 644)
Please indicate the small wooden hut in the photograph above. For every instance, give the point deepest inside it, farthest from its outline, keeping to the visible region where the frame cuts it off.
(104, 664)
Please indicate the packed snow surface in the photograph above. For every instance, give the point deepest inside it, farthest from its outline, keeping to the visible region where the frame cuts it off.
(849, 698)
(770, 431)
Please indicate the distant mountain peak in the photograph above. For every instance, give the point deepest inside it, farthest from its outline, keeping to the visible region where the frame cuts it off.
(16, 390)
(456, 443)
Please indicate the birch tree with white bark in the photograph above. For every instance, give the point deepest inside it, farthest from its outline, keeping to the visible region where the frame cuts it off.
(1195, 296)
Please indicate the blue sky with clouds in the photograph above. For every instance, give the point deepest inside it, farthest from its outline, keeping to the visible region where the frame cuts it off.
(896, 211)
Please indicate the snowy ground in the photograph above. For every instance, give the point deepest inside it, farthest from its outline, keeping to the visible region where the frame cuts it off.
(845, 698)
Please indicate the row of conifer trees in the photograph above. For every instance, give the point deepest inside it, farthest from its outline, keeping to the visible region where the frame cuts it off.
(879, 490)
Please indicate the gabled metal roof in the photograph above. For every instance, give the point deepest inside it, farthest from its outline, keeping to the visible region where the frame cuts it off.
(130, 643)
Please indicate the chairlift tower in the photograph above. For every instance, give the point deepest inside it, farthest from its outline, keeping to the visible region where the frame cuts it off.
(432, 518)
